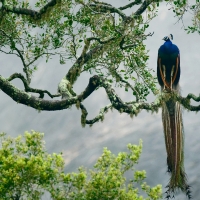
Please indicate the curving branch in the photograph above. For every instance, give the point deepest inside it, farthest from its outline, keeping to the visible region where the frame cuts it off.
(122, 42)
(132, 108)
(186, 102)
(100, 116)
(29, 89)
(25, 98)
(32, 13)
(192, 96)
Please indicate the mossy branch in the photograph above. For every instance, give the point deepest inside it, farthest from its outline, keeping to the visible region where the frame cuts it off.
(32, 13)
(100, 116)
(131, 108)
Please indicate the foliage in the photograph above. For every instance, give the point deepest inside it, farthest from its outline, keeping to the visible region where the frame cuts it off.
(181, 7)
(85, 36)
(27, 171)
(71, 29)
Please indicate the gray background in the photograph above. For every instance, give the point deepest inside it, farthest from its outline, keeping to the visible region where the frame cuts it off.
(82, 146)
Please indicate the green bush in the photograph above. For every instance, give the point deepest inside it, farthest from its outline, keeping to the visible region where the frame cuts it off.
(27, 171)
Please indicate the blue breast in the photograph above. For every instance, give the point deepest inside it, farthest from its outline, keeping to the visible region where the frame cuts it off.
(168, 52)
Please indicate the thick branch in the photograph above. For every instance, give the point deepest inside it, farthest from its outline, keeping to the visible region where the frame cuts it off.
(130, 108)
(75, 70)
(32, 13)
(25, 98)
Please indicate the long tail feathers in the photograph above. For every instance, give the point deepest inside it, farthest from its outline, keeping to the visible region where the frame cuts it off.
(174, 141)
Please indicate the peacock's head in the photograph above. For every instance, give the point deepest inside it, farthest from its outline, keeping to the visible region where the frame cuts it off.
(169, 37)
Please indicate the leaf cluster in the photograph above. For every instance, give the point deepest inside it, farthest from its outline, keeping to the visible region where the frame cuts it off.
(180, 7)
(27, 171)
(72, 30)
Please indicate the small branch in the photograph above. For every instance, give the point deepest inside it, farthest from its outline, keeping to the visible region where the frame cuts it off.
(29, 89)
(117, 76)
(121, 44)
(186, 102)
(9, 52)
(143, 7)
(39, 56)
(24, 64)
(18, 53)
(100, 41)
(101, 2)
(136, 2)
(100, 116)
(108, 8)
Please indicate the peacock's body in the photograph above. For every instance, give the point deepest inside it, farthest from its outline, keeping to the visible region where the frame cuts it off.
(168, 73)
(168, 64)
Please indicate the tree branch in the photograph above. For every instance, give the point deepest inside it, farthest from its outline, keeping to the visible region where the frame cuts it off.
(29, 89)
(118, 76)
(100, 116)
(143, 7)
(186, 102)
(25, 98)
(19, 54)
(132, 108)
(136, 2)
(32, 13)
(106, 8)
(192, 96)
(75, 70)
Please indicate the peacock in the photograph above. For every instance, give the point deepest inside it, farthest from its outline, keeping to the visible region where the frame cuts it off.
(168, 74)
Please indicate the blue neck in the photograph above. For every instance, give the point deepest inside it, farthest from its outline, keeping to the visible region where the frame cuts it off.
(168, 45)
